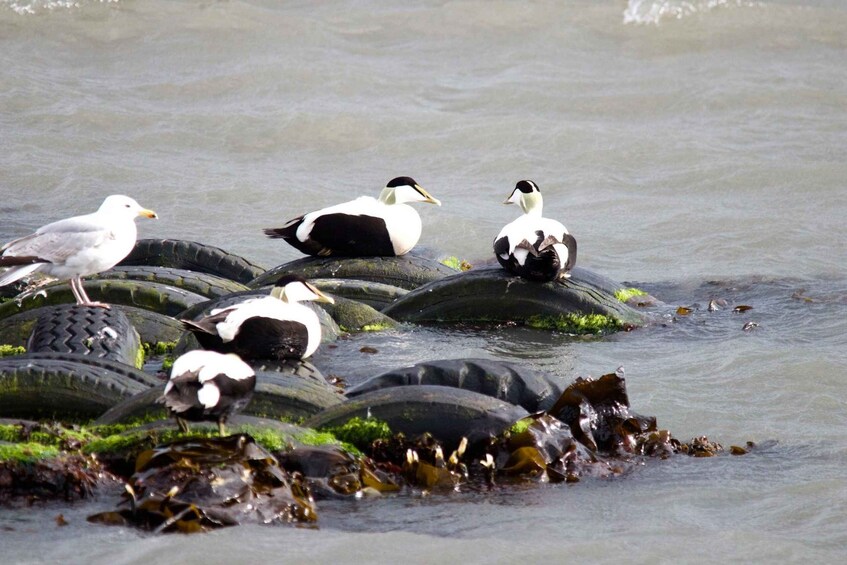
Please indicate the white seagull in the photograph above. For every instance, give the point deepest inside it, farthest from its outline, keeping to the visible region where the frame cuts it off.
(362, 227)
(534, 247)
(76, 247)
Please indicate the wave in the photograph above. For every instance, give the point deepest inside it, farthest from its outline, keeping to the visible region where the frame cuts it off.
(30, 7)
(654, 11)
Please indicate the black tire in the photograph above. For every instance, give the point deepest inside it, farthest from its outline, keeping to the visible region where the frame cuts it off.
(447, 413)
(152, 327)
(295, 392)
(491, 295)
(192, 256)
(105, 333)
(508, 382)
(406, 272)
(157, 297)
(145, 379)
(204, 284)
(375, 295)
(62, 389)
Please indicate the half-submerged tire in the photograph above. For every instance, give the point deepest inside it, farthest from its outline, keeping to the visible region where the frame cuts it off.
(50, 388)
(406, 272)
(204, 284)
(293, 392)
(193, 256)
(508, 382)
(376, 295)
(153, 296)
(491, 295)
(86, 330)
(445, 412)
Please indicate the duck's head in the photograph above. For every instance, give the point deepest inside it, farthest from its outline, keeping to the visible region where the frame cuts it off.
(528, 196)
(124, 206)
(404, 189)
(294, 288)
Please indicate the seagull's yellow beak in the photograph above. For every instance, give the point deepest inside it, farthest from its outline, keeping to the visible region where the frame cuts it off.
(321, 296)
(144, 212)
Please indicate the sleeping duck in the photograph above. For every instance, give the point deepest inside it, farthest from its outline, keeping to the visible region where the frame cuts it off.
(534, 247)
(363, 227)
(268, 327)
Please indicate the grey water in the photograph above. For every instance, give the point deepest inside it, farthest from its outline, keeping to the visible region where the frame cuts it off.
(694, 147)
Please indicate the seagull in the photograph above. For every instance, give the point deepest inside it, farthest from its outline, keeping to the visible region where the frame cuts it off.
(207, 385)
(534, 247)
(76, 247)
(268, 327)
(362, 227)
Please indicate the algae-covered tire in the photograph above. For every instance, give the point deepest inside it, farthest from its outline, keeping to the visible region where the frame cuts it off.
(508, 382)
(376, 295)
(35, 388)
(352, 315)
(204, 284)
(86, 330)
(145, 379)
(406, 272)
(192, 256)
(153, 296)
(445, 412)
(296, 391)
(288, 396)
(491, 295)
(152, 327)
(329, 328)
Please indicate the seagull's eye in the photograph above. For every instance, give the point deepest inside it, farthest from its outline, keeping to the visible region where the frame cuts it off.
(127, 205)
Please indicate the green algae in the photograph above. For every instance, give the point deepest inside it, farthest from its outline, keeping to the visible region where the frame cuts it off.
(456, 264)
(521, 426)
(576, 323)
(361, 432)
(29, 452)
(625, 294)
(376, 327)
(11, 350)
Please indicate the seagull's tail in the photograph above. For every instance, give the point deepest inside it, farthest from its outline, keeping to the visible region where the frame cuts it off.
(18, 272)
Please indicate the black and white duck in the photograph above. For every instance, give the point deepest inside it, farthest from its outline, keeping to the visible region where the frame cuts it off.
(267, 327)
(208, 386)
(363, 227)
(532, 246)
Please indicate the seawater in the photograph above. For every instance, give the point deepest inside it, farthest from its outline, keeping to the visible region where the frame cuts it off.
(694, 148)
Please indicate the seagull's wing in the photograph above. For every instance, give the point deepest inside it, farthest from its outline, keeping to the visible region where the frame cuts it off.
(55, 242)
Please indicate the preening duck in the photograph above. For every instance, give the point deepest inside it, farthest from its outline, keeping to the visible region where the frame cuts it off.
(532, 246)
(268, 327)
(76, 247)
(362, 227)
(207, 385)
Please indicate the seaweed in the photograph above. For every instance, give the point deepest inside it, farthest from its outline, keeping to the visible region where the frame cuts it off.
(576, 323)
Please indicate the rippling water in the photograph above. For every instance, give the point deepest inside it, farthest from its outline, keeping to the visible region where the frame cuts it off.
(693, 147)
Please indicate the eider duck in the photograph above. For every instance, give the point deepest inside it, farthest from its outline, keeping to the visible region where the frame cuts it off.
(207, 385)
(76, 247)
(534, 247)
(362, 227)
(270, 327)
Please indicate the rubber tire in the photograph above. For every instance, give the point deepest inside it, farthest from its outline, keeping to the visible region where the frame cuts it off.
(296, 392)
(375, 295)
(192, 256)
(445, 412)
(204, 284)
(490, 294)
(407, 271)
(157, 297)
(71, 328)
(43, 388)
(152, 327)
(508, 382)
